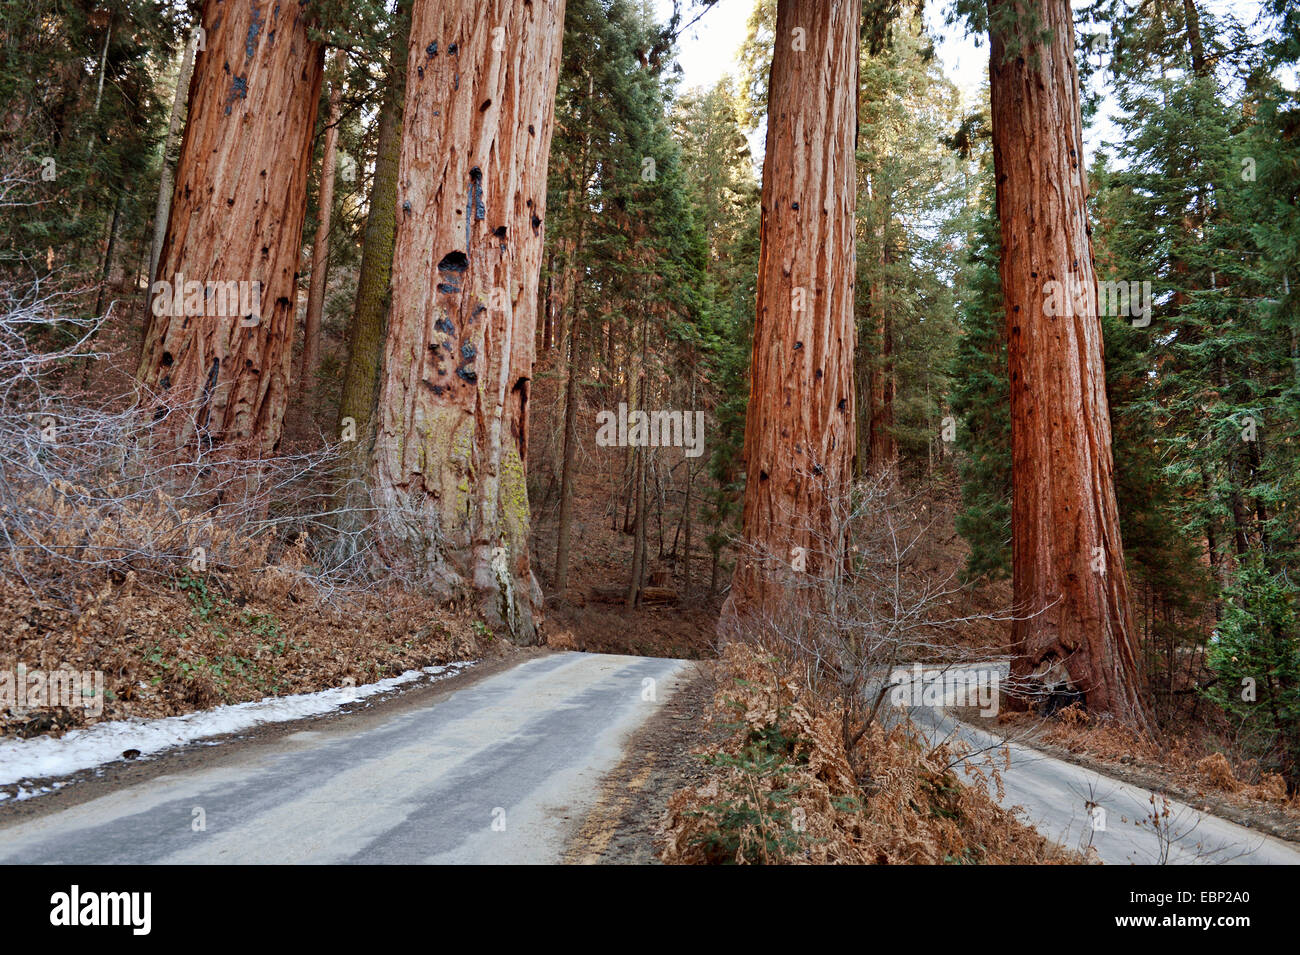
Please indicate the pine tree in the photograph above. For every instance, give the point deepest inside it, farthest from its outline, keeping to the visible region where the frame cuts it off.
(980, 398)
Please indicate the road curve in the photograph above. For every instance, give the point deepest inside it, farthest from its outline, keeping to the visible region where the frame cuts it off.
(1055, 797)
(501, 770)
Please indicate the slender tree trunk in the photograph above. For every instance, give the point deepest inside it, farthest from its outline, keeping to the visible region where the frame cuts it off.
(564, 530)
(883, 450)
(103, 64)
(686, 509)
(369, 326)
(639, 453)
(799, 432)
(548, 317)
(862, 381)
(167, 179)
(639, 523)
(106, 274)
(320, 249)
(1193, 24)
(1070, 584)
(236, 217)
(686, 519)
(452, 437)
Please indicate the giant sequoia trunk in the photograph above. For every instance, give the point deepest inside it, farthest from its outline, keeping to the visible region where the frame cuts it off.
(1075, 634)
(218, 347)
(452, 434)
(799, 433)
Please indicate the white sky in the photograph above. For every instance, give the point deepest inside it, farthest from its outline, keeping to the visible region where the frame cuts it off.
(708, 50)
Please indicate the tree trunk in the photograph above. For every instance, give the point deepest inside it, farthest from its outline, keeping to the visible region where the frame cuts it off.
(686, 514)
(548, 318)
(167, 179)
(1075, 623)
(236, 217)
(633, 590)
(862, 382)
(320, 249)
(567, 476)
(106, 273)
(883, 450)
(452, 437)
(799, 432)
(639, 455)
(369, 326)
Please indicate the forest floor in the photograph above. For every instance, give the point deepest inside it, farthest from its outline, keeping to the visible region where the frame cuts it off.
(173, 646)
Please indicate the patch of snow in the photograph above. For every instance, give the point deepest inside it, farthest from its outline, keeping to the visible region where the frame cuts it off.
(45, 756)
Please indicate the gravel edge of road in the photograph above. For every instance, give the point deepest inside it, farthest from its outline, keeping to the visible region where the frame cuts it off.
(622, 826)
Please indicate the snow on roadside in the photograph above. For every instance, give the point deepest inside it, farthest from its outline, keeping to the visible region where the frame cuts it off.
(45, 756)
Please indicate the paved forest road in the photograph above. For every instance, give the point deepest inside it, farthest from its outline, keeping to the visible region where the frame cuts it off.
(524, 747)
(1054, 795)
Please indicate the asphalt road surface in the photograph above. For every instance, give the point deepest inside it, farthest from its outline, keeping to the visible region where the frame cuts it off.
(1056, 796)
(500, 770)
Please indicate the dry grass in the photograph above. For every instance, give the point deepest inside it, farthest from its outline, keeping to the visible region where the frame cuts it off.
(172, 642)
(782, 790)
(1187, 758)
(191, 578)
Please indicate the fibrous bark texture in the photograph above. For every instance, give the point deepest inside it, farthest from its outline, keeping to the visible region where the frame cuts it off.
(218, 346)
(452, 435)
(1075, 632)
(799, 433)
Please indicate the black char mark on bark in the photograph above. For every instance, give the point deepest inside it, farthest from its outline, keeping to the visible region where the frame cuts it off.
(238, 90)
(475, 205)
(450, 268)
(518, 426)
(254, 28)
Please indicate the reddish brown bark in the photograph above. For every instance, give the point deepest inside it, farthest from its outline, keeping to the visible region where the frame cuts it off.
(453, 422)
(236, 217)
(799, 433)
(1069, 580)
